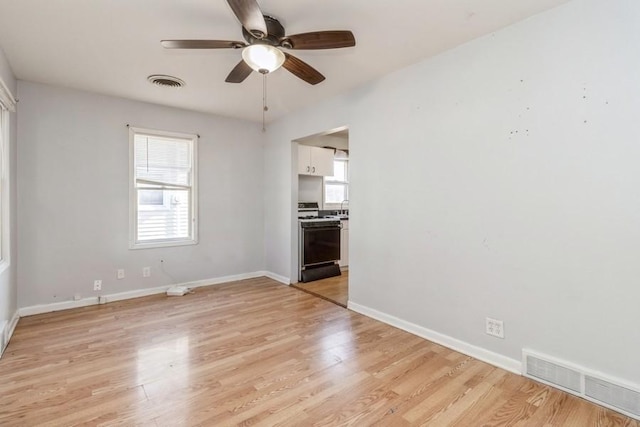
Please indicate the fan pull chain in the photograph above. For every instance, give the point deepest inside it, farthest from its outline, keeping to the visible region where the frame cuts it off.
(264, 101)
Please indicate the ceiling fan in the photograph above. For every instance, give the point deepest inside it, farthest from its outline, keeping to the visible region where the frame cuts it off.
(264, 37)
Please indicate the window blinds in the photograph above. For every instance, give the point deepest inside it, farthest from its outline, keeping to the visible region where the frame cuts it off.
(164, 182)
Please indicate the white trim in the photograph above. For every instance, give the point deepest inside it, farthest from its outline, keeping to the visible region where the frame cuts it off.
(163, 244)
(7, 330)
(14, 323)
(5, 192)
(56, 306)
(3, 341)
(277, 278)
(65, 305)
(495, 359)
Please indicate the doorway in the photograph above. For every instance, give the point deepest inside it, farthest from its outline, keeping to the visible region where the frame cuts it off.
(330, 191)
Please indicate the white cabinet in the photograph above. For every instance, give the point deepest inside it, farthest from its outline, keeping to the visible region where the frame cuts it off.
(315, 161)
(344, 244)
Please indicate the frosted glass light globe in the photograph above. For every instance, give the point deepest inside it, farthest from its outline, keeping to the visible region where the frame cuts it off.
(263, 58)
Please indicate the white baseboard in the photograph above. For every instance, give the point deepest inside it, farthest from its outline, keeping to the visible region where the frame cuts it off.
(511, 365)
(3, 342)
(56, 306)
(277, 277)
(7, 331)
(65, 305)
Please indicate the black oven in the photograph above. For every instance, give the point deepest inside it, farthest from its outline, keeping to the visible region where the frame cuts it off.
(319, 249)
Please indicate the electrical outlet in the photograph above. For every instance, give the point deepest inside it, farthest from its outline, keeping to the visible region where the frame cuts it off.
(97, 285)
(77, 297)
(495, 327)
(146, 272)
(120, 274)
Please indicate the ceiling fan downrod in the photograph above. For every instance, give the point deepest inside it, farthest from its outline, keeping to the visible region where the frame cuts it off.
(265, 108)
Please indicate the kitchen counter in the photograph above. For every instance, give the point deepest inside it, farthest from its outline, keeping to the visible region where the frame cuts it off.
(340, 217)
(344, 215)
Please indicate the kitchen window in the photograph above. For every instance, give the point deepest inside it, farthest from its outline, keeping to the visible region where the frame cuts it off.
(163, 188)
(336, 187)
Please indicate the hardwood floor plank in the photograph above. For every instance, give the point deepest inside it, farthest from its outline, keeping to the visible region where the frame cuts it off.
(255, 352)
(334, 289)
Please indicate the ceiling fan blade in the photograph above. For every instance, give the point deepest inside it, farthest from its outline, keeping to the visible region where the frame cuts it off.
(250, 16)
(202, 44)
(302, 70)
(239, 73)
(319, 40)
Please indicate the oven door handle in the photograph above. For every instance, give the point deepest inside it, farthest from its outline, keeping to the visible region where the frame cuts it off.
(323, 228)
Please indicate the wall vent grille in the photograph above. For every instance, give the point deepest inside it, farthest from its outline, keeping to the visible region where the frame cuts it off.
(612, 394)
(553, 373)
(581, 382)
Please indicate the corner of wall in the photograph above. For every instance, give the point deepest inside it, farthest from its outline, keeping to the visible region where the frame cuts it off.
(6, 332)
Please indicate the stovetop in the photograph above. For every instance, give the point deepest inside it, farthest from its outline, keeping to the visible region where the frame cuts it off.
(310, 212)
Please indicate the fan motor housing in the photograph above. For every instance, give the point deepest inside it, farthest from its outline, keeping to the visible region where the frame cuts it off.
(275, 32)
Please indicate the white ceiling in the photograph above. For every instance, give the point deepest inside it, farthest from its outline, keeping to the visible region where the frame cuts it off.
(110, 46)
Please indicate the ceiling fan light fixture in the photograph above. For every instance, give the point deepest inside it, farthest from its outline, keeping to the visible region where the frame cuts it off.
(263, 58)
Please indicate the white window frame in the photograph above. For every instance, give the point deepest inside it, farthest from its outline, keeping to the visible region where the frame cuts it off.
(133, 194)
(7, 105)
(326, 180)
(4, 188)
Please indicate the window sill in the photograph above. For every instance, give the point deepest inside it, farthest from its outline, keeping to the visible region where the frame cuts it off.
(164, 244)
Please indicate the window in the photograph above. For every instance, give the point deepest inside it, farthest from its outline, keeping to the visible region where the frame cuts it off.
(4, 189)
(163, 188)
(7, 104)
(336, 187)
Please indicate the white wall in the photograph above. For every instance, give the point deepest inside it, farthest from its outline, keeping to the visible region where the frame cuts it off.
(338, 142)
(8, 276)
(74, 196)
(310, 189)
(511, 164)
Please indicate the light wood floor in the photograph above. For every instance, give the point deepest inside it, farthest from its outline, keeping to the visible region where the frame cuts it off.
(257, 353)
(334, 289)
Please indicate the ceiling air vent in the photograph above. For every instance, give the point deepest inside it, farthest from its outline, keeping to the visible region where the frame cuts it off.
(165, 81)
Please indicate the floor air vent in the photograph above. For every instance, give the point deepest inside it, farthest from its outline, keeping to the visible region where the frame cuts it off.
(553, 373)
(612, 394)
(583, 383)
